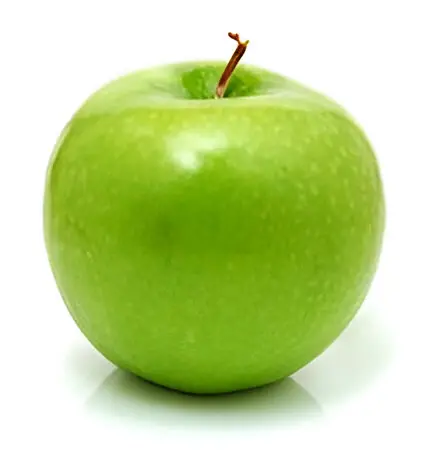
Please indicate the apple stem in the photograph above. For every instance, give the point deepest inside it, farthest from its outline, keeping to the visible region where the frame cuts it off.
(234, 60)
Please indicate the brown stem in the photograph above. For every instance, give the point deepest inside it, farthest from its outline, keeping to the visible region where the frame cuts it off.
(234, 60)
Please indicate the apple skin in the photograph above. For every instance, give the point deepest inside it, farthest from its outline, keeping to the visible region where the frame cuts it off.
(211, 245)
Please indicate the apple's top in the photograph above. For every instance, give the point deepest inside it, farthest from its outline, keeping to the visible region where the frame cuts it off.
(194, 84)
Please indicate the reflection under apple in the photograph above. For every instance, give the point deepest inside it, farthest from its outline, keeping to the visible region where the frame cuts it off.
(125, 396)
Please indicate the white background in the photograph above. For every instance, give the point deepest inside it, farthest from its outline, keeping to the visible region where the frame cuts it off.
(379, 385)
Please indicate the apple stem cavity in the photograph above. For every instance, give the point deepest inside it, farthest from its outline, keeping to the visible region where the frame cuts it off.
(234, 60)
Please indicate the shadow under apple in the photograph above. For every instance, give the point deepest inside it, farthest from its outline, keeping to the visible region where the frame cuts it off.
(123, 395)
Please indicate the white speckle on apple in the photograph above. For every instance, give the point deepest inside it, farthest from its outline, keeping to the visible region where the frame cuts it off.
(343, 152)
(314, 190)
(263, 214)
(334, 167)
(328, 142)
(190, 337)
(327, 284)
(302, 198)
(313, 282)
(320, 297)
(314, 167)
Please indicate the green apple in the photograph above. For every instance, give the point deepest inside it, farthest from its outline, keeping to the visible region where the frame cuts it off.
(212, 244)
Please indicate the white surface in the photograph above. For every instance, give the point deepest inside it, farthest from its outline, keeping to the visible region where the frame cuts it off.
(379, 385)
